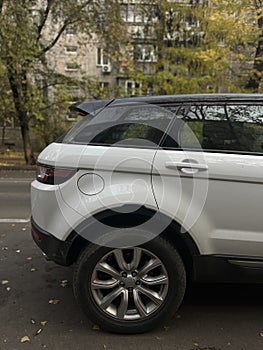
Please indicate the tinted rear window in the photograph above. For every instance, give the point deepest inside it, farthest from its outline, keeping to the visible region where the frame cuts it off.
(129, 125)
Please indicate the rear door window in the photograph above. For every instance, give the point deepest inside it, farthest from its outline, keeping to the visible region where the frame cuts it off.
(227, 128)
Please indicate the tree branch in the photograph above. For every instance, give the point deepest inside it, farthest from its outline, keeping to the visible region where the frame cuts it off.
(44, 17)
(68, 21)
(55, 40)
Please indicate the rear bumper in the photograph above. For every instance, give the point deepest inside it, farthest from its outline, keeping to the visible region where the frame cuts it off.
(53, 248)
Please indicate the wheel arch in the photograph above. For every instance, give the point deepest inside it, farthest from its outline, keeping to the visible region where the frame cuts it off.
(130, 216)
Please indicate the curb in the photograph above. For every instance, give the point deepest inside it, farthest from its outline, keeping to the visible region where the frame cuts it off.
(18, 167)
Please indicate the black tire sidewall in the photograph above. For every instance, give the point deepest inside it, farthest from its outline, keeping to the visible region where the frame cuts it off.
(177, 283)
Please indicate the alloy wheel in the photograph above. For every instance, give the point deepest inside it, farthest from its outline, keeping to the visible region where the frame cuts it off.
(129, 284)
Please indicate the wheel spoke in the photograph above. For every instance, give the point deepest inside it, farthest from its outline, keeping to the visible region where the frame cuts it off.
(118, 253)
(122, 309)
(150, 265)
(155, 297)
(108, 299)
(105, 267)
(104, 284)
(129, 283)
(137, 253)
(153, 281)
(139, 304)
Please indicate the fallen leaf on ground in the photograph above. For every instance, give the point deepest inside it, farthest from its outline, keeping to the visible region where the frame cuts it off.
(18, 251)
(29, 258)
(96, 328)
(24, 339)
(33, 269)
(23, 229)
(4, 282)
(261, 334)
(32, 321)
(43, 323)
(64, 283)
(39, 331)
(8, 289)
(5, 248)
(54, 301)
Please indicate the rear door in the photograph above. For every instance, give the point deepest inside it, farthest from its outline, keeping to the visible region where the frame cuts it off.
(212, 180)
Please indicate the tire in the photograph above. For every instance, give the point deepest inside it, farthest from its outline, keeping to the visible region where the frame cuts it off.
(141, 287)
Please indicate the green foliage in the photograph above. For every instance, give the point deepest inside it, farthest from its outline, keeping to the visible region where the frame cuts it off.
(205, 46)
(37, 95)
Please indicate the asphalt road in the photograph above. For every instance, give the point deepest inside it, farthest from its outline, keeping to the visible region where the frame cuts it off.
(212, 317)
(15, 195)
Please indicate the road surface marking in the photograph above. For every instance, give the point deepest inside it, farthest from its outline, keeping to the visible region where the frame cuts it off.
(14, 221)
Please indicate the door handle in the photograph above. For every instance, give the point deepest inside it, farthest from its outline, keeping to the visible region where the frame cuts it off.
(185, 167)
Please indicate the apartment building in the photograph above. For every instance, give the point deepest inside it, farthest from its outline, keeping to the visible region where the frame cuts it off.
(79, 56)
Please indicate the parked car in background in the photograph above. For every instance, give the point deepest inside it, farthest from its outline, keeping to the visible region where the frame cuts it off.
(147, 194)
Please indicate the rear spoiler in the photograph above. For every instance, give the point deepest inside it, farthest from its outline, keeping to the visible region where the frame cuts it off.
(89, 107)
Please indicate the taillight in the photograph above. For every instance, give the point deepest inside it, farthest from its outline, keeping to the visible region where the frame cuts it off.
(53, 175)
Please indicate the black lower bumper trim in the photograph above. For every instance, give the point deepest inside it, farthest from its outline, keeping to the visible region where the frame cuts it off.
(55, 249)
(228, 269)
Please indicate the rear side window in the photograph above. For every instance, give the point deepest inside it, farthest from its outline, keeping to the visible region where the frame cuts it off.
(227, 128)
(129, 125)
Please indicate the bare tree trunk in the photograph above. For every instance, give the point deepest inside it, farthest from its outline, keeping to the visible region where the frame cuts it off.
(19, 93)
(28, 153)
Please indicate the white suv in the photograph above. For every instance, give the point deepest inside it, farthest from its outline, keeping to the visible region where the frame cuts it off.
(146, 194)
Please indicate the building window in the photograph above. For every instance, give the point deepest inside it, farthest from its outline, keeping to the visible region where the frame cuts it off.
(104, 85)
(132, 87)
(71, 49)
(71, 31)
(132, 13)
(191, 21)
(72, 67)
(145, 53)
(102, 58)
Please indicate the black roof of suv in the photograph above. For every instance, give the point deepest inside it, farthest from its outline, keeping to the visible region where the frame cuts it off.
(91, 107)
